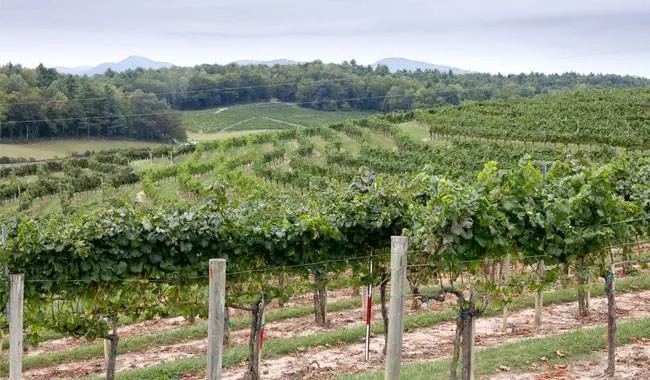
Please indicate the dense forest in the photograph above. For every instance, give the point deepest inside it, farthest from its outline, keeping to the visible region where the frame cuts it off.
(345, 86)
(41, 103)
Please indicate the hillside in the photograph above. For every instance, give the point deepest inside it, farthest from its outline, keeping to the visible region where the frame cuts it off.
(399, 64)
(132, 62)
(304, 209)
(616, 117)
(43, 104)
(454, 141)
(258, 116)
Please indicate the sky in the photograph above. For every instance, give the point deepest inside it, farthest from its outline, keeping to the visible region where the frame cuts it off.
(603, 36)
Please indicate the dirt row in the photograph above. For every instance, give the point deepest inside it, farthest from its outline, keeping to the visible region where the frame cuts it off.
(283, 329)
(419, 344)
(160, 325)
(167, 324)
(436, 342)
(632, 362)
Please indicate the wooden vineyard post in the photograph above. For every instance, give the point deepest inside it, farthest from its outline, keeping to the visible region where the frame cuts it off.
(261, 332)
(399, 247)
(216, 316)
(5, 272)
(16, 327)
(368, 308)
(107, 352)
(540, 274)
(506, 276)
(539, 301)
(611, 322)
(364, 304)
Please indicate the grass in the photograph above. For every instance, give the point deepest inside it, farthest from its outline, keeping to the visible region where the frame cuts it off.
(520, 355)
(380, 141)
(415, 130)
(349, 145)
(197, 331)
(349, 335)
(44, 150)
(199, 136)
(261, 116)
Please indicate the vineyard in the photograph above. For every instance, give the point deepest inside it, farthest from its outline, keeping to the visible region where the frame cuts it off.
(261, 116)
(525, 229)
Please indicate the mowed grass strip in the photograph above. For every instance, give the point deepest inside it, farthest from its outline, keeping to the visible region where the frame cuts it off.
(281, 347)
(520, 355)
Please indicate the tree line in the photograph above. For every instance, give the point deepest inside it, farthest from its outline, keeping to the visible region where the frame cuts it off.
(331, 87)
(43, 104)
(138, 104)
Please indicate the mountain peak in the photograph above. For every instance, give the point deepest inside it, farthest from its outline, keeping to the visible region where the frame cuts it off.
(398, 64)
(130, 62)
(281, 61)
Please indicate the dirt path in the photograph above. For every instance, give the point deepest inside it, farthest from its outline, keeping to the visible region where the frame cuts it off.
(426, 343)
(283, 329)
(282, 121)
(237, 123)
(632, 362)
(435, 342)
(168, 324)
(419, 344)
(126, 332)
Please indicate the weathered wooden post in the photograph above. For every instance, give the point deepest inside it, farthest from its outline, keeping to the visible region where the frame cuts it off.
(399, 247)
(216, 316)
(16, 327)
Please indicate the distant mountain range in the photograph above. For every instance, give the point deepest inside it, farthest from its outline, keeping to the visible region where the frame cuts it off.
(132, 62)
(398, 64)
(393, 64)
(247, 62)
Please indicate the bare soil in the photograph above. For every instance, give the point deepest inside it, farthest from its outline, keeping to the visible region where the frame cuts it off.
(436, 342)
(166, 324)
(632, 362)
(127, 331)
(419, 344)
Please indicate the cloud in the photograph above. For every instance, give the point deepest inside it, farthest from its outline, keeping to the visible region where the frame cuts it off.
(508, 34)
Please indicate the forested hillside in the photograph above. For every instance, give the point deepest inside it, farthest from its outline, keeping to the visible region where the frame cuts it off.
(41, 103)
(344, 86)
(139, 104)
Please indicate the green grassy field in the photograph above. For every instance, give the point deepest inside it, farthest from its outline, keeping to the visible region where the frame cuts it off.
(60, 148)
(198, 136)
(261, 116)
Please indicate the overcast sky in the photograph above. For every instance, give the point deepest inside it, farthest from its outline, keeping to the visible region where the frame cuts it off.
(481, 35)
